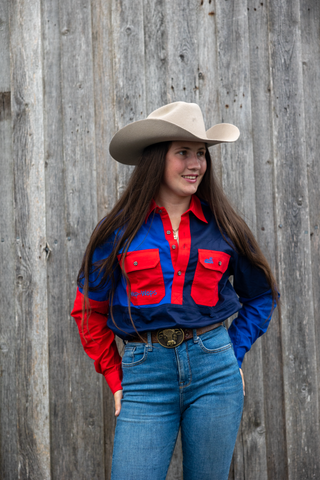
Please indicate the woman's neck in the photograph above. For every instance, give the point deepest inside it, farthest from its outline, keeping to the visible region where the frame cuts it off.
(175, 208)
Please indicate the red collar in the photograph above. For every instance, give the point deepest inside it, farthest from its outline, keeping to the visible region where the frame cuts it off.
(195, 208)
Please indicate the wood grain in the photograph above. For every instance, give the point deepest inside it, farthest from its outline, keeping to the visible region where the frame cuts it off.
(81, 386)
(4, 48)
(182, 28)
(32, 386)
(294, 249)
(266, 228)
(239, 184)
(107, 169)
(128, 71)
(8, 334)
(156, 54)
(310, 52)
(72, 73)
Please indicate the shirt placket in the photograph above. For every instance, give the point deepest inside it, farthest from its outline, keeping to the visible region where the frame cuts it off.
(179, 253)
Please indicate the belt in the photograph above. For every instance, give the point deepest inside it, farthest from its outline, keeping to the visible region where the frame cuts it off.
(173, 337)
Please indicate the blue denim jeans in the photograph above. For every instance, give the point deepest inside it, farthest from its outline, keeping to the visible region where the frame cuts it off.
(197, 386)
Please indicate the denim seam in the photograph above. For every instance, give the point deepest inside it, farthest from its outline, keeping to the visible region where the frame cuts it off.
(215, 350)
(133, 364)
(183, 386)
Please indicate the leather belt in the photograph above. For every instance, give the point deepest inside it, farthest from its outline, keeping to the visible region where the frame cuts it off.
(173, 337)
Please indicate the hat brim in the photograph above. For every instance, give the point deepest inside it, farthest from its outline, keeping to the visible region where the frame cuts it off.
(128, 143)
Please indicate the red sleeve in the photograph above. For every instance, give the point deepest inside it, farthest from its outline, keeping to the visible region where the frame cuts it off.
(98, 341)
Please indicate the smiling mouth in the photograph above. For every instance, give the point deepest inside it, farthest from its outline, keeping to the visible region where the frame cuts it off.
(190, 177)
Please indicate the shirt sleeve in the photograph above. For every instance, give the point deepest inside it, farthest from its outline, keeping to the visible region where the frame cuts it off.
(252, 322)
(255, 295)
(96, 337)
(98, 340)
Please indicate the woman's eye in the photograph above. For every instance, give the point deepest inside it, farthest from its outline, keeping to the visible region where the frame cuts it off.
(182, 152)
(201, 154)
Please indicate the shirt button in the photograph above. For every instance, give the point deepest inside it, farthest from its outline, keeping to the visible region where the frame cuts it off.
(160, 211)
(173, 246)
(135, 263)
(179, 273)
(168, 232)
(219, 263)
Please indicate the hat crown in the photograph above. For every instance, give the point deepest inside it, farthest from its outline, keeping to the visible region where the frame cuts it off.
(185, 115)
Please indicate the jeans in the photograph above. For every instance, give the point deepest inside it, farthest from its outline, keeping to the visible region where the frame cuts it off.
(196, 386)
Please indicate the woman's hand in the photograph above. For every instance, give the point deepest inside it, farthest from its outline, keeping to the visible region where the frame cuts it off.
(117, 402)
(243, 384)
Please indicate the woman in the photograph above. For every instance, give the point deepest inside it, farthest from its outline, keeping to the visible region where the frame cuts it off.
(156, 273)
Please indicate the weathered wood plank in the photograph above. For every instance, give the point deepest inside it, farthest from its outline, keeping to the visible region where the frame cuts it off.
(8, 340)
(208, 74)
(266, 228)
(156, 53)
(82, 432)
(32, 388)
(292, 208)
(104, 91)
(238, 182)
(182, 30)
(310, 29)
(4, 48)
(128, 70)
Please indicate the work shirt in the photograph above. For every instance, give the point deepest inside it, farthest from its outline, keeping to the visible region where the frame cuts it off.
(173, 285)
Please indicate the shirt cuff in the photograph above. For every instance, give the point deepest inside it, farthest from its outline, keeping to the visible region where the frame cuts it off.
(239, 353)
(113, 379)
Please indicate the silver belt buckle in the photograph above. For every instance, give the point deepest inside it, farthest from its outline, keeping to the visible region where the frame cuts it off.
(170, 337)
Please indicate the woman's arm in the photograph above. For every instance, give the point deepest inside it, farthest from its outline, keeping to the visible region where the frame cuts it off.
(98, 340)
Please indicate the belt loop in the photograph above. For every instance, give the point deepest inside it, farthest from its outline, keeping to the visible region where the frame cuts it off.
(149, 344)
(195, 336)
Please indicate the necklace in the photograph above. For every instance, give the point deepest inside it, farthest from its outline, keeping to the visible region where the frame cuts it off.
(175, 233)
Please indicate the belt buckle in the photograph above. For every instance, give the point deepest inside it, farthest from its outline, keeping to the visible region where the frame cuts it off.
(170, 337)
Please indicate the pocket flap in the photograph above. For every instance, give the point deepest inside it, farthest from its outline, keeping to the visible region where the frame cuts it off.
(140, 260)
(214, 260)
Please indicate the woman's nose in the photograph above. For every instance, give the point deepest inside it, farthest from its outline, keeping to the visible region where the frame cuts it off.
(193, 160)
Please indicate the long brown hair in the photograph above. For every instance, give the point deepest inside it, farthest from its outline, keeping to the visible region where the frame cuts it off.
(129, 213)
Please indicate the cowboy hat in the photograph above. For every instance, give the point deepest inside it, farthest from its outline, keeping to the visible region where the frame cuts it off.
(172, 122)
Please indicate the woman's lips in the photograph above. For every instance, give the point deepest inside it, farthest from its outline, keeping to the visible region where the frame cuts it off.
(190, 178)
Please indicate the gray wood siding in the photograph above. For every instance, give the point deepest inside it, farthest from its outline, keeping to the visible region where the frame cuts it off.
(72, 73)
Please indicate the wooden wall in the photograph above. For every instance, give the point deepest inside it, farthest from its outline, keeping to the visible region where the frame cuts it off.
(72, 73)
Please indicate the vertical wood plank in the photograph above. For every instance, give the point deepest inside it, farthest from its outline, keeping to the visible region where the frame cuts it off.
(32, 401)
(156, 54)
(128, 70)
(182, 82)
(107, 169)
(4, 48)
(8, 341)
(208, 73)
(266, 228)
(82, 435)
(239, 184)
(310, 32)
(292, 207)
(104, 91)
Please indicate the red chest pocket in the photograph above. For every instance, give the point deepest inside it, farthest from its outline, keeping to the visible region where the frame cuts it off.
(210, 268)
(145, 274)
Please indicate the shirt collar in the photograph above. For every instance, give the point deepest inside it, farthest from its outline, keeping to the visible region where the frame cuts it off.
(195, 208)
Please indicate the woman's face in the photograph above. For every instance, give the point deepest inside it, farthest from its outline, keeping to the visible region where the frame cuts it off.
(185, 166)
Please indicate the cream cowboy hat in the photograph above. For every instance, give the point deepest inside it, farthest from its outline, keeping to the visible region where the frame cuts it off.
(176, 121)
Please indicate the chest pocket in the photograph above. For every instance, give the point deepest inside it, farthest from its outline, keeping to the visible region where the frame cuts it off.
(145, 274)
(210, 268)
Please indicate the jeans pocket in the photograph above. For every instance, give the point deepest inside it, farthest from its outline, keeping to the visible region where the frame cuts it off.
(134, 354)
(215, 341)
(221, 349)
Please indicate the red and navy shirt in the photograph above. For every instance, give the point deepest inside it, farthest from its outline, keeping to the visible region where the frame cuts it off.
(174, 285)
